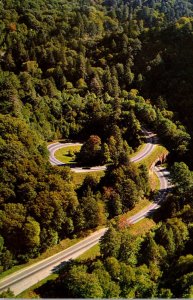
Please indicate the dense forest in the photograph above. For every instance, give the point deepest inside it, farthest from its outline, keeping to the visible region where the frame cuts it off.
(158, 264)
(97, 71)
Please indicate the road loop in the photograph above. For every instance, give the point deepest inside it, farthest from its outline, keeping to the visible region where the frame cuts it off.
(22, 280)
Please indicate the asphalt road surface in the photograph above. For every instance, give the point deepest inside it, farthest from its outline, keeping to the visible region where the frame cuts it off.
(151, 140)
(21, 280)
(162, 175)
(56, 146)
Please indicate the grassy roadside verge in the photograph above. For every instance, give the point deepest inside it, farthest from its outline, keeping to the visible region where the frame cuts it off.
(66, 154)
(138, 207)
(64, 244)
(154, 181)
(142, 226)
(78, 178)
(158, 151)
(90, 254)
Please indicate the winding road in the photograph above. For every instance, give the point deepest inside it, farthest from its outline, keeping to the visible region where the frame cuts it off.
(151, 140)
(25, 278)
(162, 174)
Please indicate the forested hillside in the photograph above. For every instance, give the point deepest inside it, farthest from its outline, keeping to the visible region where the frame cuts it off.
(96, 71)
(158, 264)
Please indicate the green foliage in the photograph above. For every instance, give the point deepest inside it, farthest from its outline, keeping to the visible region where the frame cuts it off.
(182, 178)
(130, 266)
(37, 202)
(122, 186)
(7, 294)
(110, 243)
(87, 285)
(90, 152)
(32, 233)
